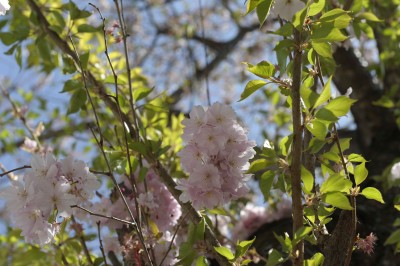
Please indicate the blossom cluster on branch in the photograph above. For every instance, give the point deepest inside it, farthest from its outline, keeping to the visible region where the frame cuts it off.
(216, 156)
(45, 192)
(161, 209)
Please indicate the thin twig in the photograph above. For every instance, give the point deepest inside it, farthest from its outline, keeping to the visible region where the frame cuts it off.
(183, 219)
(104, 216)
(116, 98)
(83, 242)
(101, 243)
(15, 169)
(205, 53)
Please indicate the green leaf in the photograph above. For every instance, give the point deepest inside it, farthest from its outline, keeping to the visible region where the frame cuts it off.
(393, 238)
(88, 28)
(75, 12)
(357, 6)
(299, 17)
(201, 261)
(336, 183)
(141, 92)
(7, 38)
(372, 193)
(325, 94)
(337, 199)
(263, 69)
(251, 87)
(274, 258)
(316, 7)
(257, 165)
(225, 252)
(266, 181)
(356, 158)
(71, 85)
(252, 4)
(327, 33)
(344, 145)
(200, 228)
(308, 179)
(322, 48)
(219, 211)
(286, 30)
(285, 143)
(316, 260)
(360, 173)
(369, 16)
(318, 129)
(300, 234)
(332, 15)
(84, 58)
(243, 246)
(263, 9)
(309, 96)
(78, 99)
(315, 145)
(336, 108)
(384, 101)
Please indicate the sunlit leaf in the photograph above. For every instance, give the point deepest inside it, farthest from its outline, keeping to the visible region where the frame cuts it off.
(337, 199)
(372, 193)
(251, 87)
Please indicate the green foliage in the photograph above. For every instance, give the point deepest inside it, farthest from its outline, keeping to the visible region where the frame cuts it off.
(372, 193)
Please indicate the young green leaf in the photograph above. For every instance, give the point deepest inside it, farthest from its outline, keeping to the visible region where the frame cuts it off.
(266, 181)
(263, 69)
(360, 173)
(243, 246)
(325, 94)
(263, 9)
(251, 5)
(316, 7)
(78, 99)
(201, 261)
(318, 129)
(336, 183)
(369, 16)
(372, 193)
(274, 258)
(393, 238)
(337, 199)
(308, 179)
(327, 33)
(336, 108)
(225, 252)
(322, 48)
(356, 158)
(316, 260)
(251, 87)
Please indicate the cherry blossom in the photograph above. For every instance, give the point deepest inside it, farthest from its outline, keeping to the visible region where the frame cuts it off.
(50, 186)
(287, 8)
(4, 6)
(215, 156)
(395, 171)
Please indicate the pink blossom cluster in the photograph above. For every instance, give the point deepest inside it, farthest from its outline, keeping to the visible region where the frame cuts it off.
(367, 244)
(216, 156)
(162, 209)
(156, 201)
(45, 192)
